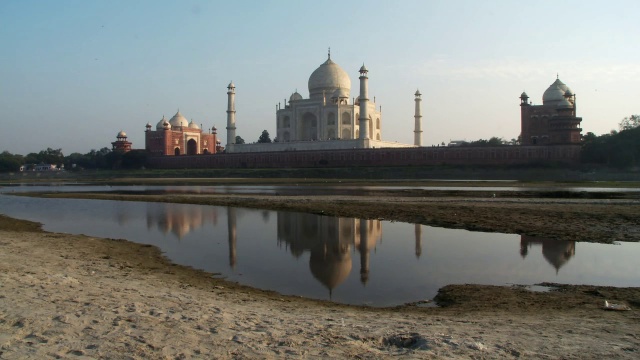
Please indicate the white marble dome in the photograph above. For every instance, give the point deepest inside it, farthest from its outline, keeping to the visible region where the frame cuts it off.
(555, 93)
(328, 77)
(341, 93)
(295, 96)
(193, 125)
(121, 134)
(179, 120)
(160, 125)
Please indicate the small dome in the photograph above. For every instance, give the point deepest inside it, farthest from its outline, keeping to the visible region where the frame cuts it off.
(568, 93)
(160, 125)
(148, 125)
(231, 86)
(193, 125)
(418, 93)
(341, 93)
(363, 68)
(565, 104)
(327, 78)
(121, 134)
(524, 95)
(166, 125)
(295, 97)
(178, 120)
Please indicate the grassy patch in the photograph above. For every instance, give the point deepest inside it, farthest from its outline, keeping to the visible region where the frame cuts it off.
(11, 224)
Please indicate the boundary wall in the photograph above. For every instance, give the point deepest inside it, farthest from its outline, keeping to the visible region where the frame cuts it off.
(462, 155)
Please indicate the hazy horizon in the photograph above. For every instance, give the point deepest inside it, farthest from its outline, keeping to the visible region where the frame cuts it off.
(75, 73)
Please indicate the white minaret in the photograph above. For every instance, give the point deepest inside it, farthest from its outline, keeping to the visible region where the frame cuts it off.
(364, 104)
(417, 133)
(231, 116)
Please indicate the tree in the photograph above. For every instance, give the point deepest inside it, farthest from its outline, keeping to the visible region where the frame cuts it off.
(264, 138)
(239, 140)
(10, 162)
(629, 122)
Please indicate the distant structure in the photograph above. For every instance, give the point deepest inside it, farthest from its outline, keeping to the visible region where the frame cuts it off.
(552, 123)
(328, 114)
(180, 137)
(327, 120)
(417, 137)
(328, 130)
(121, 144)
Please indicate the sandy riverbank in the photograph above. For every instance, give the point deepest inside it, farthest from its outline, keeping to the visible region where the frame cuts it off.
(68, 296)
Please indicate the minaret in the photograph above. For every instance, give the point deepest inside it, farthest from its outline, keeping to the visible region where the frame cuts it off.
(364, 104)
(417, 133)
(231, 116)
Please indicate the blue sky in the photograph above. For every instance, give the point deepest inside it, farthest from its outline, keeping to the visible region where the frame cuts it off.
(74, 73)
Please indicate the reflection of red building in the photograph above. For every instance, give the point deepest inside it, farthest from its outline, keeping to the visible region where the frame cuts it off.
(177, 136)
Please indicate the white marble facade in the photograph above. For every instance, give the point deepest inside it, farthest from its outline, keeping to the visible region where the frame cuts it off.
(329, 113)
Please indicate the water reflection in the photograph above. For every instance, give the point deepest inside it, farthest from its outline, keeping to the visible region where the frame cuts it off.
(556, 252)
(178, 219)
(330, 242)
(348, 260)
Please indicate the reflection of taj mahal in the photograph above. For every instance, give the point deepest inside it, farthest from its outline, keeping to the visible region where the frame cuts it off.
(556, 252)
(330, 241)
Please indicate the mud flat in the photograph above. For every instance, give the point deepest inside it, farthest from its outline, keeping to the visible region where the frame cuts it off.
(68, 296)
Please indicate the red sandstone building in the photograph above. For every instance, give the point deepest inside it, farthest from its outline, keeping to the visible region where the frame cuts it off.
(552, 123)
(121, 144)
(177, 136)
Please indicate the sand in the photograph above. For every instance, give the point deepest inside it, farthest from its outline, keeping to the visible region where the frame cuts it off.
(77, 297)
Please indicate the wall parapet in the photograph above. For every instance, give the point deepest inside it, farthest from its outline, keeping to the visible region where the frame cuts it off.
(416, 156)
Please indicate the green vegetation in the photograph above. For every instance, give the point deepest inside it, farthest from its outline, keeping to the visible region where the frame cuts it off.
(616, 149)
(264, 137)
(239, 140)
(11, 224)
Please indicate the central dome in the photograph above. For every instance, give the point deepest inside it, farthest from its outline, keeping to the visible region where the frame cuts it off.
(555, 93)
(179, 120)
(328, 77)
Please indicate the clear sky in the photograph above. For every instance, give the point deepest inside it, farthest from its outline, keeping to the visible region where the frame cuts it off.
(74, 73)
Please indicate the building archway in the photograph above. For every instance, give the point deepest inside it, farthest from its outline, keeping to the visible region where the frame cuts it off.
(176, 152)
(309, 129)
(192, 147)
(346, 118)
(346, 134)
(331, 119)
(285, 136)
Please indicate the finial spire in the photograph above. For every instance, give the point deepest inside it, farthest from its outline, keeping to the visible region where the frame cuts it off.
(329, 53)
(557, 76)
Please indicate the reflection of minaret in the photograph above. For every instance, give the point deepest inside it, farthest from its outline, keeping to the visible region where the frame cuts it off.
(231, 223)
(364, 251)
(418, 240)
(556, 252)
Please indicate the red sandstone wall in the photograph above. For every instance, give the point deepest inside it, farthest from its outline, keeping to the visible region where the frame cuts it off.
(500, 155)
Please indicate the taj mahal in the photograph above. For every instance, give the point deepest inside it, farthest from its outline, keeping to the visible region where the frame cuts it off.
(331, 128)
(327, 120)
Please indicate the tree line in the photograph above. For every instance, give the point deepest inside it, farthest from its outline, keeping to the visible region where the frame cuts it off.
(94, 159)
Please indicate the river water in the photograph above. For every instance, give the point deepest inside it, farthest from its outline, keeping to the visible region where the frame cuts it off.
(347, 260)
